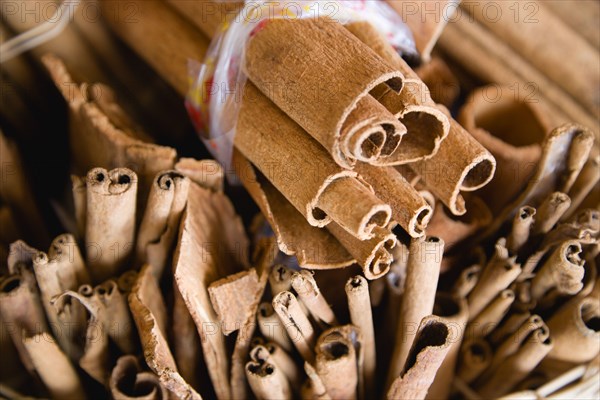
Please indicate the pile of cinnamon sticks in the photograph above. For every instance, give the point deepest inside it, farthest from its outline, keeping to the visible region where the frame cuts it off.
(396, 250)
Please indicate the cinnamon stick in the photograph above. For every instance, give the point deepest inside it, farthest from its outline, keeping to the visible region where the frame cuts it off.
(359, 304)
(461, 164)
(497, 275)
(521, 227)
(336, 364)
(308, 291)
(427, 353)
(455, 311)
(426, 126)
(485, 55)
(424, 259)
(110, 220)
(373, 255)
(575, 331)
(519, 365)
(53, 367)
(158, 229)
(475, 357)
(322, 197)
(297, 325)
(265, 52)
(563, 271)
(489, 318)
(272, 327)
(409, 209)
(21, 306)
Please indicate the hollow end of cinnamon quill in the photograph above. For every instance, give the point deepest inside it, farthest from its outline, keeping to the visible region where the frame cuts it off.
(127, 381)
(353, 205)
(116, 181)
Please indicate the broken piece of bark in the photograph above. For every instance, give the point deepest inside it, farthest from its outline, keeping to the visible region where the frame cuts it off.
(97, 139)
(149, 313)
(206, 173)
(231, 297)
(211, 245)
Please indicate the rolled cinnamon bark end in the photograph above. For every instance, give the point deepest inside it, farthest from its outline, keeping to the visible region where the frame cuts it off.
(267, 381)
(575, 329)
(370, 132)
(158, 229)
(512, 129)
(426, 126)
(498, 274)
(461, 164)
(409, 208)
(350, 72)
(467, 280)
(354, 207)
(361, 315)
(453, 309)
(129, 382)
(550, 212)
(489, 318)
(521, 227)
(373, 255)
(432, 343)
(517, 366)
(475, 357)
(336, 364)
(110, 221)
(305, 285)
(563, 271)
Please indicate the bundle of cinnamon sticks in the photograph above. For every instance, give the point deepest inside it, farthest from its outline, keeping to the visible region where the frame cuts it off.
(379, 246)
